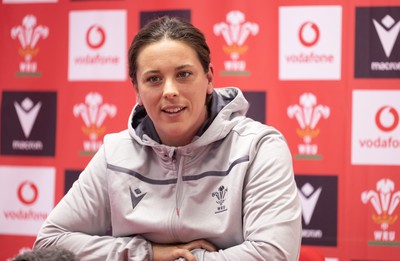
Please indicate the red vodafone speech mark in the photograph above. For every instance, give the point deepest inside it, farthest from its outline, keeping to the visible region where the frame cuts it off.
(31, 186)
(312, 26)
(395, 115)
(95, 29)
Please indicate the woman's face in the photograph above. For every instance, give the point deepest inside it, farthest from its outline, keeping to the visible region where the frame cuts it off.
(172, 86)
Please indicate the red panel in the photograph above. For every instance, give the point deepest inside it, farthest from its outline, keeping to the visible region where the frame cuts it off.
(323, 149)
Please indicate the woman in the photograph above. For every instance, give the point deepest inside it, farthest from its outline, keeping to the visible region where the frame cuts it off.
(191, 179)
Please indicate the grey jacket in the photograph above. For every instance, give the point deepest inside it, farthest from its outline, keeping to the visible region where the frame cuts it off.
(233, 186)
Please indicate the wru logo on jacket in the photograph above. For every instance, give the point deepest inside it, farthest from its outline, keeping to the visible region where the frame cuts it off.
(220, 195)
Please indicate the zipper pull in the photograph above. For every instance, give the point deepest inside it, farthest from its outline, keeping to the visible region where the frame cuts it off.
(177, 212)
(173, 157)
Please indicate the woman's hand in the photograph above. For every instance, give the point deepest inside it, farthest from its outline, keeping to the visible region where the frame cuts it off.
(163, 252)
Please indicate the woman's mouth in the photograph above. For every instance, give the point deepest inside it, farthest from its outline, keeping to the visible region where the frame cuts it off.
(173, 110)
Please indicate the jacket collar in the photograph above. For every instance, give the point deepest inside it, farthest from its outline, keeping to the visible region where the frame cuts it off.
(142, 127)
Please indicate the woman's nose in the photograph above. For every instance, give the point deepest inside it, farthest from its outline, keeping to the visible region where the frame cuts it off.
(170, 89)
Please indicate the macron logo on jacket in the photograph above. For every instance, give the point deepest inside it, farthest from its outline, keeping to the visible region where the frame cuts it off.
(136, 196)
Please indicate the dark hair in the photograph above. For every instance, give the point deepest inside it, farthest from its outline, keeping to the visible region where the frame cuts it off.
(172, 28)
(47, 254)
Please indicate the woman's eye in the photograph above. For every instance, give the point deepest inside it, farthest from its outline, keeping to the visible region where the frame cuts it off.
(153, 79)
(184, 74)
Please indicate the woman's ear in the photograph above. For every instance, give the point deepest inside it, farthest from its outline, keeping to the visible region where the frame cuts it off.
(210, 78)
(138, 99)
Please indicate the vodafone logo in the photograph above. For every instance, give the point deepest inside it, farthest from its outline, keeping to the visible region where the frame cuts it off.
(95, 37)
(27, 192)
(308, 34)
(309, 45)
(387, 118)
(32, 191)
(97, 45)
(376, 127)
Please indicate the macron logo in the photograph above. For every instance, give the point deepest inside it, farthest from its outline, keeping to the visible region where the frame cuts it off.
(27, 114)
(309, 198)
(387, 36)
(136, 197)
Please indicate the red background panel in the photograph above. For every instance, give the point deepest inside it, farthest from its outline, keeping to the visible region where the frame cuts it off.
(355, 226)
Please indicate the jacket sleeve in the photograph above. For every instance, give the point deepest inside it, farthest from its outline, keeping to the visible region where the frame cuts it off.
(81, 219)
(271, 207)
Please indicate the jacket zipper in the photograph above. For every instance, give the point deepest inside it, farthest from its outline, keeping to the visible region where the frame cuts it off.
(175, 215)
(178, 183)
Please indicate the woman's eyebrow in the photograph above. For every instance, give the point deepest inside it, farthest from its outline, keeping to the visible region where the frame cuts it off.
(183, 66)
(151, 71)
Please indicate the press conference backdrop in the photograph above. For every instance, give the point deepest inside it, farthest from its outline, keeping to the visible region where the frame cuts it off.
(325, 73)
